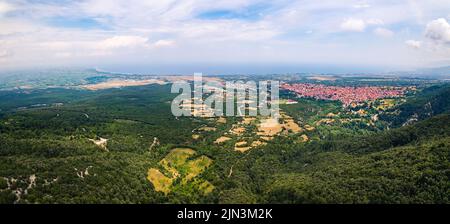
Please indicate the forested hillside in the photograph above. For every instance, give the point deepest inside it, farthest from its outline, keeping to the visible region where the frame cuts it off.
(429, 102)
(53, 153)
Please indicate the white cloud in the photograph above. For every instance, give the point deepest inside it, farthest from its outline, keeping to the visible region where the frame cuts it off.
(361, 6)
(123, 42)
(5, 8)
(438, 30)
(141, 30)
(414, 44)
(356, 25)
(164, 43)
(375, 22)
(57, 45)
(359, 25)
(383, 32)
(63, 54)
(8, 26)
(5, 54)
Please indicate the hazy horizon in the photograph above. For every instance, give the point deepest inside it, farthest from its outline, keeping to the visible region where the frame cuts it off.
(219, 69)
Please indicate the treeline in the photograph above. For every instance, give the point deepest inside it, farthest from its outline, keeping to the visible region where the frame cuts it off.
(435, 127)
(359, 170)
(429, 102)
(409, 164)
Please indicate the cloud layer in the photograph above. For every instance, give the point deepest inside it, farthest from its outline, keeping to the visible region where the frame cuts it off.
(170, 32)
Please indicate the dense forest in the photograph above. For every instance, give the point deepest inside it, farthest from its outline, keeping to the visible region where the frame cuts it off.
(47, 153)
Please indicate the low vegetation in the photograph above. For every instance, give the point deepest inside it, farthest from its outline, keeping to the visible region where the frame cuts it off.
(124, 146)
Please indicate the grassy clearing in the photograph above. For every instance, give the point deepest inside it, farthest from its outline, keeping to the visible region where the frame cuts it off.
(179, 164)
(160, 182)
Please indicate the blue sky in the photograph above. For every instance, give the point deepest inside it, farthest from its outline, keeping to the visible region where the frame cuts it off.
(252, 12)
(158, 35)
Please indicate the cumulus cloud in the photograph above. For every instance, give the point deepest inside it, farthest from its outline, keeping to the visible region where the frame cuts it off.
(63, 54)
(383, 32)
(359, 25)
(356, 25)
(164, 43)
(374, 22)
(9, 27)
(414, 44)
(57, 45)
(5, 7)
(104, 47)
(361, 6)
(438, 30)
(5, 54)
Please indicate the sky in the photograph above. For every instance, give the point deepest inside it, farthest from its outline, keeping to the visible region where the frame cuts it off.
(225, 36)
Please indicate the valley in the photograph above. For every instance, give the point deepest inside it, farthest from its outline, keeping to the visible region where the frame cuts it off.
(121, 144)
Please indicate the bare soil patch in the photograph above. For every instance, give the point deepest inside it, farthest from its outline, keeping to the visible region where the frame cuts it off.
(222, 139)
(122, 83)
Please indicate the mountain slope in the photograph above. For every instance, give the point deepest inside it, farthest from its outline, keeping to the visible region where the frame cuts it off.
(407, 174)
(429, 102)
